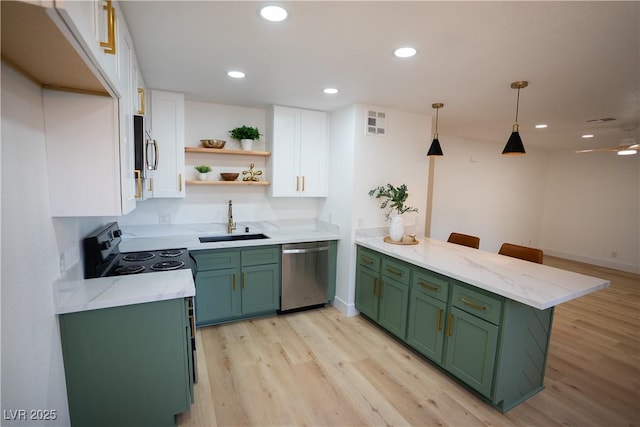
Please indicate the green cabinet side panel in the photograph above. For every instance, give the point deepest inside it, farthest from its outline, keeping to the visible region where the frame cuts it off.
(127, 365)
(425, 326)
(393, 306)
(471, 350)
(217, 295)
(260, 289)
(366, 299)
(522, 357)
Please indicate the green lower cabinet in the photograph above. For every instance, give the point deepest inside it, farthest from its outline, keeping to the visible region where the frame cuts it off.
(471, 350)
(366, 291)
(217, 295)
(426, 325)
(233, 284)
(129, 365)
(260, 288)
(392, 311)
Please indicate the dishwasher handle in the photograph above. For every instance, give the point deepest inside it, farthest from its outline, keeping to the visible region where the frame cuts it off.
(305, 251)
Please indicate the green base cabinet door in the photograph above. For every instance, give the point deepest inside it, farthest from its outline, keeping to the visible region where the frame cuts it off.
(217, 295)
(366, 288)
(260, 289)
(394, 301)
(426, 325)
(471, 350)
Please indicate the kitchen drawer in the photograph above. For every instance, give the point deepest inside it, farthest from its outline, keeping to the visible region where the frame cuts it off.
(431, 283)
(398, 271)
(216, 259)
(260, 256)
(477, 302)
(369, 259)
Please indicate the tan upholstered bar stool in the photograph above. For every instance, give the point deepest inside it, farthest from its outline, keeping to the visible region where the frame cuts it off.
(522, 252)
(464, 240)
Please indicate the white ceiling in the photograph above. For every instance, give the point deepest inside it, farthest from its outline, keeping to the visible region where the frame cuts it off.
(582, 61)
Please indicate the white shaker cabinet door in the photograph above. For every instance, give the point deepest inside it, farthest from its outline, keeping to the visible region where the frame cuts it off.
(167, 128)
(299, 144)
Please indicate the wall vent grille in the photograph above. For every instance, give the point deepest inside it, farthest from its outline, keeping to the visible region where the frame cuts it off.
(376, 123)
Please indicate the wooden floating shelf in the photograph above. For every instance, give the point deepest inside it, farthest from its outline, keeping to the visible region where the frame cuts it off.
(257, 183)
(225, 151)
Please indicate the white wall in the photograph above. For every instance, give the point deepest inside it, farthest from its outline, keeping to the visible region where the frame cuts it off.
(206, 204)
(592, 209)
(32, 367)
(480, 192)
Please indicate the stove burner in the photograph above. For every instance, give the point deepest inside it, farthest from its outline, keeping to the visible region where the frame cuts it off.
(167, 265)
(137, 256)
(129, 269)
(171, 253)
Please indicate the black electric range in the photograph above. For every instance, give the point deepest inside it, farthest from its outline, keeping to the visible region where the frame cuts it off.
(102, 256)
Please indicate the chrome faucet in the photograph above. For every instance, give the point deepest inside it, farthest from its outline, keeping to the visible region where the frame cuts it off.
(230, 224)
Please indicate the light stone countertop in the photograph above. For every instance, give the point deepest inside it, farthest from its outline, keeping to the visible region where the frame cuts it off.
(72, 294)
(535, 285)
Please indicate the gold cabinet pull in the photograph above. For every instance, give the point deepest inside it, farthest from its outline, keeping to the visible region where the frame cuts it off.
(366, 260)
(297, 183)
(179, 182)
(473, 304)
(110, 45)
(440, 319)
(141, 95)
(243, 277)
(138, 184)
(150, 184)
(449, 322)
(302, 182)
(394, 271)
(428, 286)
(375, 283)
(234, 281)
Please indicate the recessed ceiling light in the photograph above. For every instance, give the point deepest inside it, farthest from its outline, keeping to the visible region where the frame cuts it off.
(330, 90)
(587, 135)
(541, 126)
(405, 52)
(236, 74)
(274, 13)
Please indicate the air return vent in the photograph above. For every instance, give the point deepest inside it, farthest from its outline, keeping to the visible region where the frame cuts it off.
(376, 123)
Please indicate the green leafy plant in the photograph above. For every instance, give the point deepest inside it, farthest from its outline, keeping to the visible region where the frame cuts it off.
(245, 132)
(393, 198)
(203, 168)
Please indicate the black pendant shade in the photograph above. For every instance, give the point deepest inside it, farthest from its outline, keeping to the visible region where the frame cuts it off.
(435, 149)
(514, 145)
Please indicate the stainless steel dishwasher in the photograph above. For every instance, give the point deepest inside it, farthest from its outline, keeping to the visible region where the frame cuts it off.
(305, 275)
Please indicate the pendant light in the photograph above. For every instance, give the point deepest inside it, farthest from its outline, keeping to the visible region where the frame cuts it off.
(514, 146)
(435, 149)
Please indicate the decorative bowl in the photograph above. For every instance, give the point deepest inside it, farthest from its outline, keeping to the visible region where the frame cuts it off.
(229, 176)
(213, 143)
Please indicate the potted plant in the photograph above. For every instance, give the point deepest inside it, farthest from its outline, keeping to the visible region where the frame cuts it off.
(203, 170)
(246, 135)
(393, 199)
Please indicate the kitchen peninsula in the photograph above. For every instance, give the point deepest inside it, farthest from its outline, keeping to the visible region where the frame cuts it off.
(484, 318)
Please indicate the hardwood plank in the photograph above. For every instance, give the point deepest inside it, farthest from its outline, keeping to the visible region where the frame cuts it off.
(321, 368)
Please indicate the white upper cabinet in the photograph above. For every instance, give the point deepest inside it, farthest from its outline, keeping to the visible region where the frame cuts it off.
(167, 128)
(298, 141)
(90, 173)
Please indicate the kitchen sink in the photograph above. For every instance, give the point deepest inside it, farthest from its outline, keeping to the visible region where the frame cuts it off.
(232, 237)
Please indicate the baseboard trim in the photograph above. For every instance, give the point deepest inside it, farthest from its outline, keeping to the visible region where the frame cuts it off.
(594, 261)
(344, 308)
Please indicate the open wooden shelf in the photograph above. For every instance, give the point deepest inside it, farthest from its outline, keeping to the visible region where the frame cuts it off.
(258, 183)
(225, 151)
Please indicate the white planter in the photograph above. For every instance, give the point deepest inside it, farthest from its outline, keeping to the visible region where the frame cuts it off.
(396, 228)
(202, 176)
(246, 144)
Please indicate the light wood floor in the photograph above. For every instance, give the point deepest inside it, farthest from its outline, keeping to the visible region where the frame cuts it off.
(319, 368)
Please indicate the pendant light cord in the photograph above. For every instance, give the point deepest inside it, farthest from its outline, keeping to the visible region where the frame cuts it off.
(517, 106)
(437, 109)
